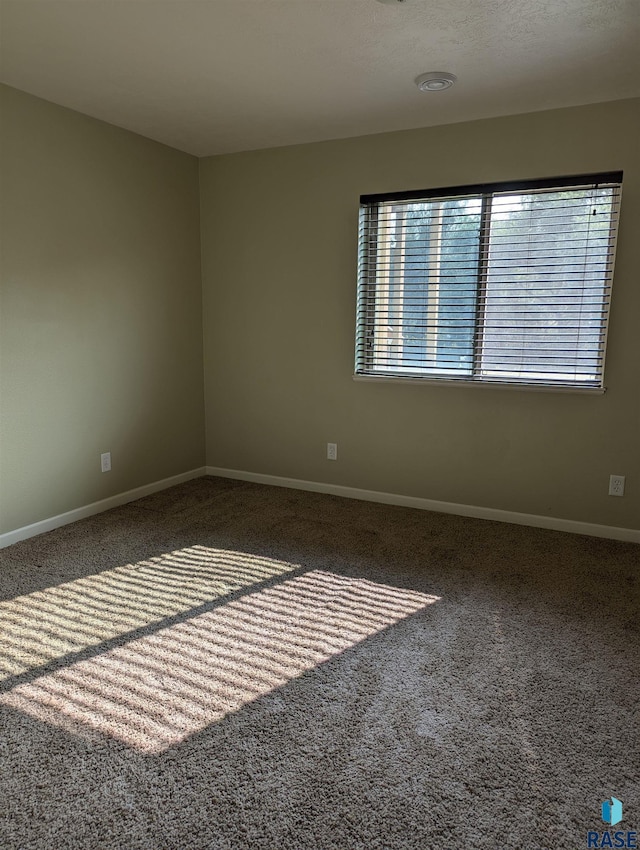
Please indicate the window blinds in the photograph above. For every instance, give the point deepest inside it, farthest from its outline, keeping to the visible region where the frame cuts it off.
(506, 283)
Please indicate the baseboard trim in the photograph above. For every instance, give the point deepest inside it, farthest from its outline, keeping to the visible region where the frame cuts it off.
(554, 523)
(35, 528)
(612, 532)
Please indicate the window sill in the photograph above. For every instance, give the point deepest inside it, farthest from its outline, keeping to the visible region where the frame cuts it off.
(463, 382)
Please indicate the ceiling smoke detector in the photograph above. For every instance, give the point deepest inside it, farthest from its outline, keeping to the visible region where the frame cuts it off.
(435, 80)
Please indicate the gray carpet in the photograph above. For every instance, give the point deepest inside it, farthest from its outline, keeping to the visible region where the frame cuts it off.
(226, 665)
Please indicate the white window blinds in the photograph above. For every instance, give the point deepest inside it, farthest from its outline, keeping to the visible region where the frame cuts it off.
(505, 283)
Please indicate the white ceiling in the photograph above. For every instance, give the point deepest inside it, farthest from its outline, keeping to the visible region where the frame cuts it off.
(213, 76)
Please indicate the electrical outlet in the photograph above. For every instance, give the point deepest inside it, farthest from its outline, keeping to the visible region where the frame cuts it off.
(616, 485)
(332, 451)
(105, 462)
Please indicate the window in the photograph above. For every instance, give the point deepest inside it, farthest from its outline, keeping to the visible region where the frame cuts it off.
(505, 283)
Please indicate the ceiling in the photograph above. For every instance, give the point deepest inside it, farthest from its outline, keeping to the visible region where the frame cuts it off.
(215, 76)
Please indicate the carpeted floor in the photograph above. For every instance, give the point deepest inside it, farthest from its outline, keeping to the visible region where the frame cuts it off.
(226, 665)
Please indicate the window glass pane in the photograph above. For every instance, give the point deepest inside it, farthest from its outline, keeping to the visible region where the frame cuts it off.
(426, 286)
(547, 263)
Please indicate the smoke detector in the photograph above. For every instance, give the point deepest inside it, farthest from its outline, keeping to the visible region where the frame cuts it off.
(434, 80)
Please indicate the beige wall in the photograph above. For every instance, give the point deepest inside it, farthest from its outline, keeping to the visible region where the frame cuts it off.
(100, 335)
(279, 273)
(100, 320)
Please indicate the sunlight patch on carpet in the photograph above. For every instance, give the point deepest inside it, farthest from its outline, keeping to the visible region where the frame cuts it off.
(67, 618)
(156, 690)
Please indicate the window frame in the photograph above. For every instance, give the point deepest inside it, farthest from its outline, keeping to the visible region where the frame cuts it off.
(485, 193)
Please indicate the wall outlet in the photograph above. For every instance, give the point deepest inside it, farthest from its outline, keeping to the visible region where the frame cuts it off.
(105, 462)
(332, 451)
(616, 485)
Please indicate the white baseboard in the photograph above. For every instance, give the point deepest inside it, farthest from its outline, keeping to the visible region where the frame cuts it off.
(573, 526)
(96, 507)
